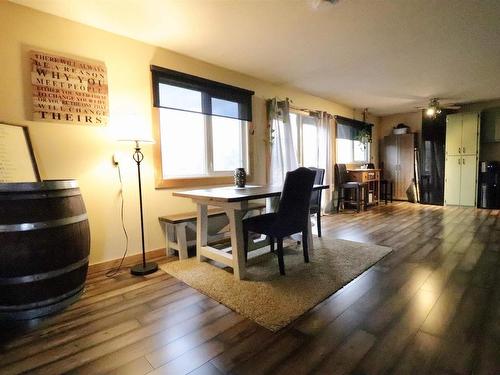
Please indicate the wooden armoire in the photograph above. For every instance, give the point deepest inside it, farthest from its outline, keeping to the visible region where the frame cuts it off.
(397, 154)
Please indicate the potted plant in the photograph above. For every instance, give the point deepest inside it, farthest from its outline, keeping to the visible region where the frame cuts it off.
(363, 136)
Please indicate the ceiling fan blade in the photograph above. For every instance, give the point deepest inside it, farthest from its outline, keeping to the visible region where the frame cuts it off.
(452, 107)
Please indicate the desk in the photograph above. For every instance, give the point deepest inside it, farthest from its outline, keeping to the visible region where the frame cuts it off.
(234, 202)
(369, 176)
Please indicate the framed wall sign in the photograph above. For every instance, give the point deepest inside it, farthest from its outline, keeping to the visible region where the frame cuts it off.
(17, 161)
(69, 90)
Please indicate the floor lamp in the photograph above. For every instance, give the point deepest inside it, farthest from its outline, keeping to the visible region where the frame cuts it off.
(149, 267)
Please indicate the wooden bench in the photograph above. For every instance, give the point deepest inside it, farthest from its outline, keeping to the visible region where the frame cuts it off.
(180, 227)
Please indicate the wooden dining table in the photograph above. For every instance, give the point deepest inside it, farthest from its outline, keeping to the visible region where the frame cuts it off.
(234, 201)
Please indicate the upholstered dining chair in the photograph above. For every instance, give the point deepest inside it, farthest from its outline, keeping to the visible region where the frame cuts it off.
(291, 217)
(315, 205)
(342, 185)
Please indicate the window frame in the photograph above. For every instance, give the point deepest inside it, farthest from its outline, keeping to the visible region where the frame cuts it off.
(209, 89)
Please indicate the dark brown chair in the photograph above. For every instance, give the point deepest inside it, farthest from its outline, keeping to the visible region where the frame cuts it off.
(292, 215)
(342, 185)
(315, 205)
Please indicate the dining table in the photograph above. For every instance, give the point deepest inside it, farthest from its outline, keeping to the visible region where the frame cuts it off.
(234, 201)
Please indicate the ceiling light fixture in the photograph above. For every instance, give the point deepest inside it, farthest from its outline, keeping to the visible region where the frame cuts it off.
(433, 109)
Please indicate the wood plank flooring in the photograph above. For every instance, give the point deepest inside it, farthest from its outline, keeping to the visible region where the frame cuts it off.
(430, 307)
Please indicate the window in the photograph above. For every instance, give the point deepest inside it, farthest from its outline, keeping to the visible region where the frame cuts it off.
(349, 148)
(305, 139)
(349, 151)
(203, 129)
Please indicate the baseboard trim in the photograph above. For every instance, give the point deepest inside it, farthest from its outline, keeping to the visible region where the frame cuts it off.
(127, 262)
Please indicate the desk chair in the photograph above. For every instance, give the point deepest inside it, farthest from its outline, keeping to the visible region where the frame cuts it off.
(315, 205)
(342, 185)
(292, 215)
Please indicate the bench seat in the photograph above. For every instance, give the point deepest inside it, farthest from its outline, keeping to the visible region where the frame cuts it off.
(180, 229)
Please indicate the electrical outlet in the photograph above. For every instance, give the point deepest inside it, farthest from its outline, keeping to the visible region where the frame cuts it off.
(115, 160)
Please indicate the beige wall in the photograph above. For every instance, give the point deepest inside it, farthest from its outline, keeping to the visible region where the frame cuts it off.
(412, 119)
(82, 152)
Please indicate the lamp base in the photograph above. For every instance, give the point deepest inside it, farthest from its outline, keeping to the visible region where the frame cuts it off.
(139, 269)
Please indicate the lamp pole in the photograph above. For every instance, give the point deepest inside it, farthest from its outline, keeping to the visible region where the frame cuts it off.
(144, 268)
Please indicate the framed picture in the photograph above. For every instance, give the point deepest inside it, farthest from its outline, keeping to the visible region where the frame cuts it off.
(17, 161)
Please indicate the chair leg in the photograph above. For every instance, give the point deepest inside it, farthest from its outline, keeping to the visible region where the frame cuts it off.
(318, 223)
(391, 191)
(385, 192)
(272, 243)
(245, 243)
(281, 262)
(358, 200)
(338, 199)
(365, 196)
(305, 245)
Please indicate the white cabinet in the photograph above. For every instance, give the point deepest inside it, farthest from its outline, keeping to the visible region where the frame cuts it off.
(468, 181)
(452, 175)
(462, 146)
(453, 135)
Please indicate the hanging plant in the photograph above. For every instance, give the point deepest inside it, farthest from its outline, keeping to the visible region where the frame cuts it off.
(363, 136)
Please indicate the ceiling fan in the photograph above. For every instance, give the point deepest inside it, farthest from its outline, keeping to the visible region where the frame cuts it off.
(434, 108)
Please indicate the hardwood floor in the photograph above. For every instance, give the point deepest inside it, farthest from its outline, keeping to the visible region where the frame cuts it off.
(431, 306)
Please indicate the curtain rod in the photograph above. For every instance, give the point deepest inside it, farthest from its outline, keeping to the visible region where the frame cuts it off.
(310, 112)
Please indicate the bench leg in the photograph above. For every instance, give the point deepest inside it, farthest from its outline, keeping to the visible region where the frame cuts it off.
(180, 233)
(170, 243)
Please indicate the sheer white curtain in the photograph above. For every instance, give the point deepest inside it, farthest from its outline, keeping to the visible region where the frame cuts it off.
(325, 156)
(283, 158)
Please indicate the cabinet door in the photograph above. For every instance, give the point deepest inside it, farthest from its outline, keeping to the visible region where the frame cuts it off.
(468, 180)
(470, 123)
(390, 158)
(406, 148)
(454, 134)
(452, 171)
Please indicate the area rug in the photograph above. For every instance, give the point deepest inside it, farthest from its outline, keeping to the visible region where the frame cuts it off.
(270, 299)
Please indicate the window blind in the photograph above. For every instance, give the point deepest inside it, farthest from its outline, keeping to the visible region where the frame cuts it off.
(185, 92)
(349, 129)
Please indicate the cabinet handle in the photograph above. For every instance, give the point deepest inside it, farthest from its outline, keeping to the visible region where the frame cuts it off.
(458, 161)
(459, 150)
(463, 161)
(463, 150)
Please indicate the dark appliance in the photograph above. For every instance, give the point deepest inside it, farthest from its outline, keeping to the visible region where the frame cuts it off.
(432, 157)
(489, 184)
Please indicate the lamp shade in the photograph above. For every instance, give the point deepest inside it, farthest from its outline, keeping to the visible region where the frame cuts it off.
(131, 127)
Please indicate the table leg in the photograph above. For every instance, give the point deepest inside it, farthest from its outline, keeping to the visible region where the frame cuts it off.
(201, 229)
(237, 245)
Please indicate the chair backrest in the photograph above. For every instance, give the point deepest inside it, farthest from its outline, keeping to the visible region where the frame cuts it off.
(340, 174)
(371, 166)
(293, 209)
(318, 180)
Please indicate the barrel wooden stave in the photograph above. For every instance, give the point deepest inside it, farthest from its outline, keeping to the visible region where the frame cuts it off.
(44, 248)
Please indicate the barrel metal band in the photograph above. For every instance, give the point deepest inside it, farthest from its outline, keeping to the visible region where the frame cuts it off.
(38, 186)
(40, 304)
(41, 195)
(43, 275)
(43, 224)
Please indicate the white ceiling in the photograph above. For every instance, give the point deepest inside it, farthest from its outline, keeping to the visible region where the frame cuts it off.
(387, 55)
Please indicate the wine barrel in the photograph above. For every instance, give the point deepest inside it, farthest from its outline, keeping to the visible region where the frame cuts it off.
(44, 247)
